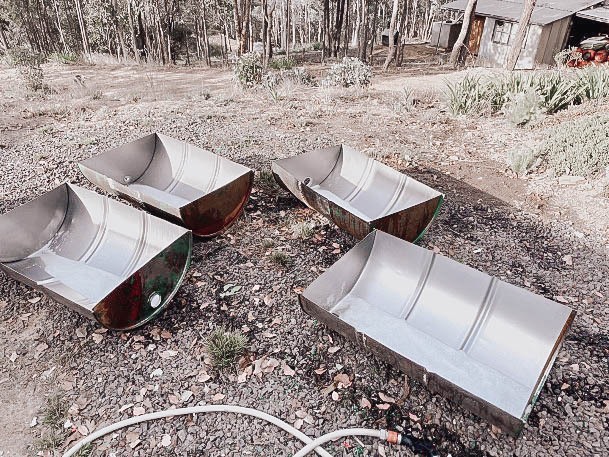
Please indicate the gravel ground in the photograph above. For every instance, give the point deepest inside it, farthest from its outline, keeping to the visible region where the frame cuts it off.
(106, 376)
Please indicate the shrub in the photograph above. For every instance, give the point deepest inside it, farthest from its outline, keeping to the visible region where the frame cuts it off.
(521, 161)
(514, 93)
(283, 63)
(225, 347)
(350, 72)
(299, 75)
(248, 70)
(29, 65)
(566, 55)
(523, 108)
(580, 147)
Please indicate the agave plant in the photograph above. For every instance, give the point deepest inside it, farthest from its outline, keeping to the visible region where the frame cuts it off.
(556, 91)
(593, 82)
(467, 96)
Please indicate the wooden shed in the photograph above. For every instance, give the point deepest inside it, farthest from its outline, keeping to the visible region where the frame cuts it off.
(555, 24)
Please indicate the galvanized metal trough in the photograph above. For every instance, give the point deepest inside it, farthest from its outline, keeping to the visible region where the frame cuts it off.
(188, 185)
(481, 342)
(110, 262)
(358, 193)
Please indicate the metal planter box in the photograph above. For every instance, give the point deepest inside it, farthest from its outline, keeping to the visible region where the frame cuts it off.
(110, 262)
(188, 185)
(358, 193)
(479, 341)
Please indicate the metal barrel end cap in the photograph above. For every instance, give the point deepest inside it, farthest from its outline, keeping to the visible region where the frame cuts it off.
(148, 291)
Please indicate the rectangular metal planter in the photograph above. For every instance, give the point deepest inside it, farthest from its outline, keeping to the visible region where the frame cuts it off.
(479, 341)
(358, 193)
(196, 188)
(113, 263)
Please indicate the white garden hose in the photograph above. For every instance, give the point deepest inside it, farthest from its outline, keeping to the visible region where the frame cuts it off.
(311, 445)
(194, 410)
(381, 434)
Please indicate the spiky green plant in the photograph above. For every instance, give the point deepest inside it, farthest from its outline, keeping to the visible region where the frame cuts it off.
(593, 82)
(467, 96)
(225, 347)
(556, 92)
(280, 258)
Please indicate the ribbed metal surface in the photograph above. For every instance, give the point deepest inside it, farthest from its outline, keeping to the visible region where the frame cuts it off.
(176, 180)
(91, 245)
(480, 341)
(545, 12)
(359, 193)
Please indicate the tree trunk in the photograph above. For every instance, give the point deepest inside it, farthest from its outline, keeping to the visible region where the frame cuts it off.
(363, 32)
(83, 30)
(373, 30)
(60, 28)
(402, 32)
(326, 30)
(521, 34)
(457, 57)
(338, 26)
(394, 18)
(206, 51)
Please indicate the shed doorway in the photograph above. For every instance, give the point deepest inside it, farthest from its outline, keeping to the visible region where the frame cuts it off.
(475, 35)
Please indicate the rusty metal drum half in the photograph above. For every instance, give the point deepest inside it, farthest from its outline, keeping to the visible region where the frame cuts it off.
(359, 194)
(481, 342)
(109, 261)
(175, 180)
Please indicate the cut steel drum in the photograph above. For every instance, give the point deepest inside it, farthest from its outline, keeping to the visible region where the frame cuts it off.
(359, 194)
(479, 341)
(173, 179)
(107, 260)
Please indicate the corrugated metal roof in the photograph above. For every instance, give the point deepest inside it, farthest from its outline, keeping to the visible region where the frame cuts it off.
(595, 14)
(546, 11)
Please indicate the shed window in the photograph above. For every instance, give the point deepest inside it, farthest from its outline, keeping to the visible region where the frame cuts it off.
(502, 32)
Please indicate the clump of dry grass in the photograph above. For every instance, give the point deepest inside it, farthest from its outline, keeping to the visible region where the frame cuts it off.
(303, 230)
(225, 347)
(280, 258)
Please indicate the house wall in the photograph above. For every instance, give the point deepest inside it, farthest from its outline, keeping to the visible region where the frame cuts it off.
(495, 55)
(553, 39)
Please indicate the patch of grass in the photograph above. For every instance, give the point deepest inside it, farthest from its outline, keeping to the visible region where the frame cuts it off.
(268, 243)
(85, 451)
(50, 440)
(225, 347)
(55, 412)
(280, 258)
(303, 230)
(282, 63)
(267, 181)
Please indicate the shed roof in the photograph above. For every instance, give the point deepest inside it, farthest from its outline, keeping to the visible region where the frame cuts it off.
(600, 14)
(545, 12)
